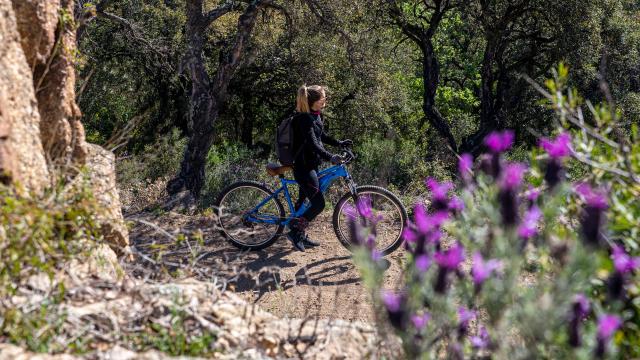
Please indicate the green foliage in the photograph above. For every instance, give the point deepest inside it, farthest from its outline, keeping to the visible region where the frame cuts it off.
(176, 340)
(38, 235)
(611, 153)
(228, 163)
(156, 161)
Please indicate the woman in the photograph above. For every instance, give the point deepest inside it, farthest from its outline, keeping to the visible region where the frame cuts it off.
(309, 135)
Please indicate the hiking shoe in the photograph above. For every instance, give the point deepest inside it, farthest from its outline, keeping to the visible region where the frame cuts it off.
(296, 239)
(308, 242)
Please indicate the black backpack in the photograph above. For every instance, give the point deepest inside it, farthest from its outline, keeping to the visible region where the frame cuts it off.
(284, 141)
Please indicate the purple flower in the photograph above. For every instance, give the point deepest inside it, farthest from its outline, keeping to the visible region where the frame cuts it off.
(456, 205)
(464, 317)
(423, 263)
(607, 325)
(558, 148)
(529, 226)
(481, 341)
(513, 175)
(593, 198)
(623, 262)
(593, 216)
(376, 255)
(364, 207)
(579, 311)
(409, 235)
(420, 321)
(350, 211)
(428, 226)
(439, 193)
(581, 306)
(450, 259)
(394, 304)
(481, 270)
(532, 194)
(499, 142)
(392, 301)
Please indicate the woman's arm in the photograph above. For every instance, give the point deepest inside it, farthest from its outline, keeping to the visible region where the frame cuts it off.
(329, 140)
(313, 141)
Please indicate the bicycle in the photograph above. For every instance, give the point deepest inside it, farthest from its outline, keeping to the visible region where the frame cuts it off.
(252, 217)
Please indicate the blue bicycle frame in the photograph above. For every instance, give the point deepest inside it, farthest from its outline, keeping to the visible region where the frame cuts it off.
(326, 177)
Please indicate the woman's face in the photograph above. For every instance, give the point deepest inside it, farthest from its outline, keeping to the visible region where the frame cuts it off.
(320, 103)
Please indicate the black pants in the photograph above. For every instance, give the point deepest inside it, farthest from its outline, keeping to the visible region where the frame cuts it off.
(309, 189)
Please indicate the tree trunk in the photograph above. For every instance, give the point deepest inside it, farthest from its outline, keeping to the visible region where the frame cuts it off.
(207, 96)
(488, 119)
(431, 78)
(201, 109)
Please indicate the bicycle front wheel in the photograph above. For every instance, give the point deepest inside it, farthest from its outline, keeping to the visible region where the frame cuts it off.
(385, 205)
(248, 217)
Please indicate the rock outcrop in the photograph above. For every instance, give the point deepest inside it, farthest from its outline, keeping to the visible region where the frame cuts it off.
(47, 33)
(123, 309)
(21, 154)
(41, 137)
(102, 177)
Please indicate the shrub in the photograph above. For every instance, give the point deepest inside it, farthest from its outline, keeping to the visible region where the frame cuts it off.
(38, 235)
(516, 271)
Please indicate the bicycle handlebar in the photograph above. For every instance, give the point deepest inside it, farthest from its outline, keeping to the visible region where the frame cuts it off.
(347, 155)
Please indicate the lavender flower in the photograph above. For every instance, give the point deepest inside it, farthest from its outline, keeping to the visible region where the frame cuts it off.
(464, 317)
(579, 311)
(423, 263)
(509, 184)
(448, 261)
(593, 217)
(481, 270)
(513, 175)
(395, 305)
(557, 149)
(456, 205)
(623, 264)
(439, 193)
(420, 321)
(529, 226)
(607, 326)
(532, 195)
(499, 142)
(364, 207)
(481, 341)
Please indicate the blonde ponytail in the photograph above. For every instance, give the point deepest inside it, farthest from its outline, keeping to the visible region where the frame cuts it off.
(307, 96)
(302, 101)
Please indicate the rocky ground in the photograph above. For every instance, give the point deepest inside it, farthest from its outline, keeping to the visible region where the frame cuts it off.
(321, 282)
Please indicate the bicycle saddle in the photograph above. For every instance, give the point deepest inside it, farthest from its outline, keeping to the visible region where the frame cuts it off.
(275, 169)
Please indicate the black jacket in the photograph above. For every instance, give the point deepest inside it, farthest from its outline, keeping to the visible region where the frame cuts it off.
(308, 133)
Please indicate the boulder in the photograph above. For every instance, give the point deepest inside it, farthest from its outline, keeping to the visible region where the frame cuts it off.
(102, 179)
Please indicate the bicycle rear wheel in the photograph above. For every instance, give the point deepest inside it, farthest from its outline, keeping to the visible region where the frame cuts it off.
(243, 221)
(383, 203)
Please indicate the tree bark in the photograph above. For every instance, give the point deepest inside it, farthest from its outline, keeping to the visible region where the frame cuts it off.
(208, 95)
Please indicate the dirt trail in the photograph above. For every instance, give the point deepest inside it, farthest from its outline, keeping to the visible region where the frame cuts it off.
(322, 281)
